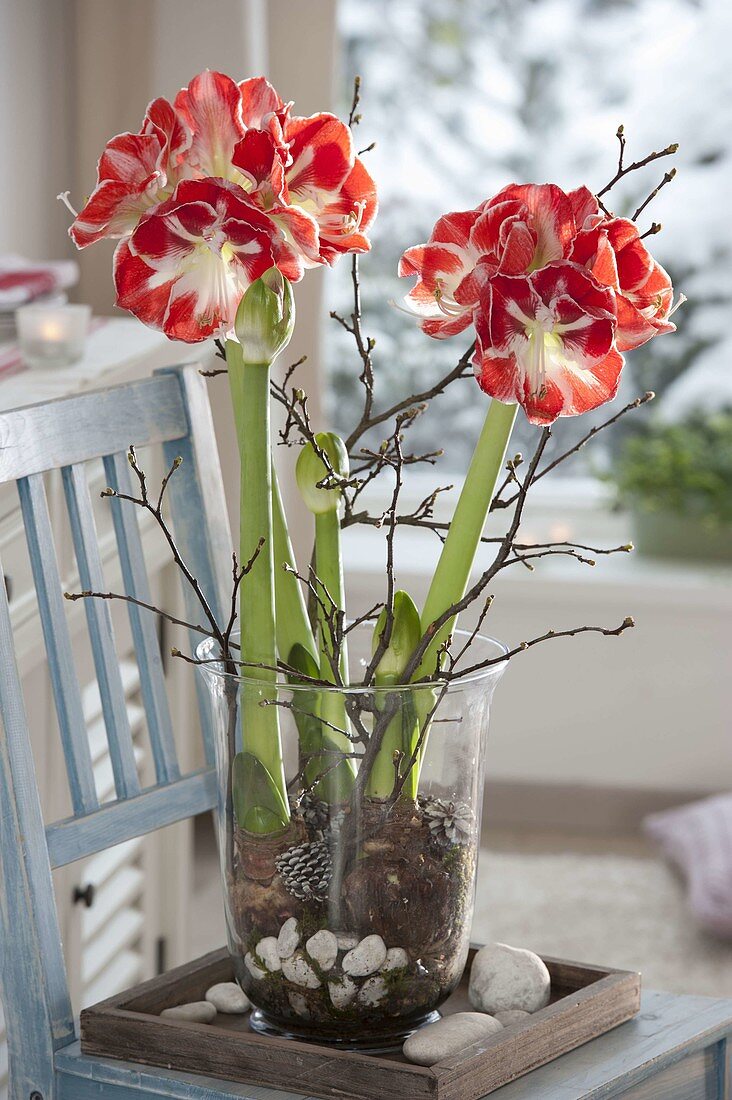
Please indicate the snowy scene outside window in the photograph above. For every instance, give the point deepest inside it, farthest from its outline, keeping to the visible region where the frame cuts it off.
(470, 95)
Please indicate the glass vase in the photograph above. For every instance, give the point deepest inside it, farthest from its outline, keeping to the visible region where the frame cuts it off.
(350, 923)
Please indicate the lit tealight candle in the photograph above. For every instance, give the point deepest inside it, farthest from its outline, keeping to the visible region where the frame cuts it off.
(52, 336)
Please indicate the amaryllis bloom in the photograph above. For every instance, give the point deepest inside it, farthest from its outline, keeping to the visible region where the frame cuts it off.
(523, 228)
(191, 258)
(547, 341)
(301, 172)
(612, 250)
(135, 172)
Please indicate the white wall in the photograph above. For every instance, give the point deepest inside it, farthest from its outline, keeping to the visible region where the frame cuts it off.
(649, 710)
(36, 148)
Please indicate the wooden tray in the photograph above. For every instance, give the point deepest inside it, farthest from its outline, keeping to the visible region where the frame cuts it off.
(586, 1002)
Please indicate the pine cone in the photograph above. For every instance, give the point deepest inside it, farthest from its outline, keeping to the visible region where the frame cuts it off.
(448, 822)
(314, 812)
(306, 871)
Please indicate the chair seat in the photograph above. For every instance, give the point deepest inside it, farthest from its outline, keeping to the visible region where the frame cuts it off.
(83, 1077)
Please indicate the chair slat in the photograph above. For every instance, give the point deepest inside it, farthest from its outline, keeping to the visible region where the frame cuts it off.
(38, 1016)
(198, 503)
(75, 429)
(67, 695)
(142, 623)
(101, 634)
(154, 808)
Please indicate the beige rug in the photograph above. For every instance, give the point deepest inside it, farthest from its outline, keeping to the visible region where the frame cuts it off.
(594, 901)
(614, 909)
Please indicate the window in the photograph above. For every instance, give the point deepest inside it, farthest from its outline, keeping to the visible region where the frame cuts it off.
(464, 96)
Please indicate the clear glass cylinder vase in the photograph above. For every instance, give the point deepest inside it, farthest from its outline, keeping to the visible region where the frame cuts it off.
(349, 918)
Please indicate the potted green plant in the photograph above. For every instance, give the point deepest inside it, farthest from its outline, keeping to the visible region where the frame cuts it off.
(350, 752)
(675, 479)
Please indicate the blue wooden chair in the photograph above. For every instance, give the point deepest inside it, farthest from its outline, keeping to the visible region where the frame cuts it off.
(171, 410)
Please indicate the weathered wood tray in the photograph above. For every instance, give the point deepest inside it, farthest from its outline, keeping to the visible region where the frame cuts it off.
(586, 1002)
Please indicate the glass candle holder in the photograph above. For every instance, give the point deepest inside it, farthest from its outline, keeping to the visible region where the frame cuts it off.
(52, 336)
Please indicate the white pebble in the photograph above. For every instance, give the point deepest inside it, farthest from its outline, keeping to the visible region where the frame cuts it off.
(512, 1016)
(503, 977)
(299, 1004)
(372, 991)
(298, 970)
(396, 958)
(342, 992)
(288, 938)
(253, 967)
(229, 998)
(323, 948)
(366, 958)
(200, 1012)
(267, 950)
(346, 941)
(448, 1036)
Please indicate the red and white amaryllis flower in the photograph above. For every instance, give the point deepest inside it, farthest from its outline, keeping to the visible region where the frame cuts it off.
(190, 259)
(301, 172)
(547, 341)
(523, 228)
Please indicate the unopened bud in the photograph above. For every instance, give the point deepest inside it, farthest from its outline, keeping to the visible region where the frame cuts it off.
(265, 318)
(406, 632)
(310, 470)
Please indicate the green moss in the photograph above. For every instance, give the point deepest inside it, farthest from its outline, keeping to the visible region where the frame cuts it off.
(396, 980)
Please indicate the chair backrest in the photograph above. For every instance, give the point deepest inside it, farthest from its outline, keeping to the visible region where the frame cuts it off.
(170, 409)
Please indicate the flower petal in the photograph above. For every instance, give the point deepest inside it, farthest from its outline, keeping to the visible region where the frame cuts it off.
(345, 220)
(211, 106)
(321, 148)
(584, 205)
(258, 99)
(551, 218)
(129, 178)
(572, 390)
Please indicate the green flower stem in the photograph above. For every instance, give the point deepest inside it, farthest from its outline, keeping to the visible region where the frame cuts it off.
(402, 732)
(400, 737)
(451, 577)
(329, 570)
(292, 623)
(332, 708)
(466, 528)
(249, 383)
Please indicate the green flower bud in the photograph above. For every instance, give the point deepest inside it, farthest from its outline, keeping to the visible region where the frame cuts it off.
(265, 318)
(406, 633)
(310, 470)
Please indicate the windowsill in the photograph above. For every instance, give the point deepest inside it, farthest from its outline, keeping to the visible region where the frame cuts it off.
(577, 509)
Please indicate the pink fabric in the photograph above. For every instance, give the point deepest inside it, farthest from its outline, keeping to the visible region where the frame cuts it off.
(698, 839)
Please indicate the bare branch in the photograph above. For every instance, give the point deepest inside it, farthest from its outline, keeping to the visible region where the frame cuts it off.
(550, 635)
(624, 170)
(649, 198)
(636, 404)
(367, 422)
(353, 117)
(72, 597)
